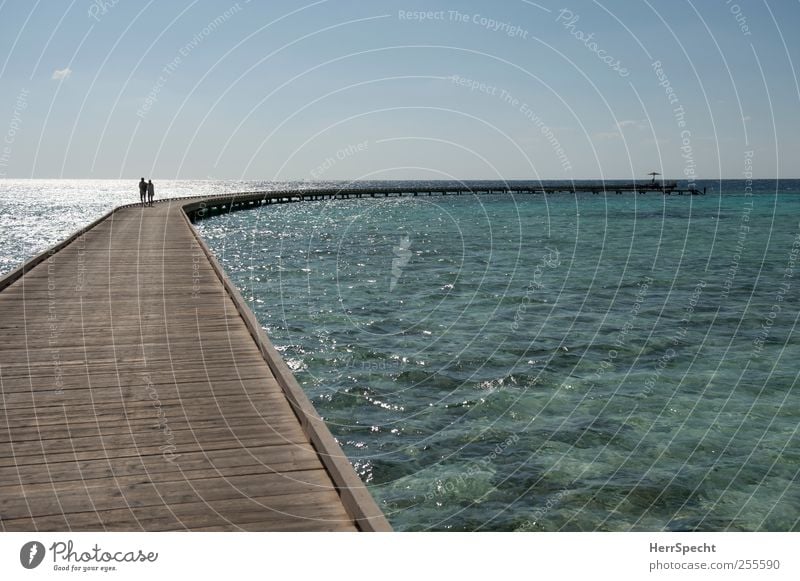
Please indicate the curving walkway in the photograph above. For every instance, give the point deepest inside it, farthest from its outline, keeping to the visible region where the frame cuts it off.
(137, 392)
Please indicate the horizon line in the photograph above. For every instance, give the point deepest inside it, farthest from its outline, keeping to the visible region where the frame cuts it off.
(356, 180)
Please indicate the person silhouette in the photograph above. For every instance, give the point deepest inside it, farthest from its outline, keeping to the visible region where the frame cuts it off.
(142, 192)
(151, 192)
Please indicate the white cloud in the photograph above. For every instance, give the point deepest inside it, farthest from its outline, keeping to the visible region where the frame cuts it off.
(655, 141)
(62, 74)
(607, 135)
(639, 124)
(618, 132)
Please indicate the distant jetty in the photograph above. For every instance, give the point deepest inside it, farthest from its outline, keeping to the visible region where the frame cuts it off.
(242, 201)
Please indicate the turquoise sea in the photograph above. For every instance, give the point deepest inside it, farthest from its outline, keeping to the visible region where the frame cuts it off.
(570, 362)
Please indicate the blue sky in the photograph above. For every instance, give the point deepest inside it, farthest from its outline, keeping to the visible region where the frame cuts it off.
(345, 89)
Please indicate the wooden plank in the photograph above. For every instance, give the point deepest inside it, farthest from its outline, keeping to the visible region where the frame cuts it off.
(125, 377)
(60, 498)
(315, 511)
(144, 427)
(227, 405)
(253, 460)
(164, 368)
(46, 460)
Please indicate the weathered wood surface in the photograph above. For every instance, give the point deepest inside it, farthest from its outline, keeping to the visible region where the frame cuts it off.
(135, 394)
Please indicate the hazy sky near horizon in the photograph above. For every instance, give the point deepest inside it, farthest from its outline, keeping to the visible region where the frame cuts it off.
(346, 89)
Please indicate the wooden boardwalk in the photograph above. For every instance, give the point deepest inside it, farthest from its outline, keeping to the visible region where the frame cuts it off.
(245, 200)
(139, 393)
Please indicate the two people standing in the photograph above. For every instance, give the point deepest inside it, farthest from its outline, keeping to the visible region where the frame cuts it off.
(146, 192)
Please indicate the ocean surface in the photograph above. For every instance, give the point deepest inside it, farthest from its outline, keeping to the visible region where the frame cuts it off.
(570, 362)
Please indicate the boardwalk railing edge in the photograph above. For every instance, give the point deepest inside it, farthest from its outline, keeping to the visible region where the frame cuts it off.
(357, 500)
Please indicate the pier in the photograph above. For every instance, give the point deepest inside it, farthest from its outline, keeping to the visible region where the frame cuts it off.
(140, 393)
(242, 201)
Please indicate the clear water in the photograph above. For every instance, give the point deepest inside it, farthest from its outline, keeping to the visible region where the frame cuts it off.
(523, 363)
(529, 363)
